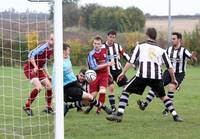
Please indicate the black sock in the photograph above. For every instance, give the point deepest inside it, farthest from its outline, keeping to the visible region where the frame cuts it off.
(170, 95)
(77, 104)
(169, 105)
(95, 102)
(122, 103)
(112, 101)
(149, 98)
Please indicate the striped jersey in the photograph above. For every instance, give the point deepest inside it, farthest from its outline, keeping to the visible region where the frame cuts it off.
(178, 58)
(114, 53)
(150, 56)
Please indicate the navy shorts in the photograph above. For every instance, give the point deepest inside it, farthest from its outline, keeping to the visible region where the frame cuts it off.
(115, 74)
(137, 85)
(73, 92)
(167, 78)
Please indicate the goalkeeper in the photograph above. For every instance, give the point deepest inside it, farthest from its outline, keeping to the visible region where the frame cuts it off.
(73, 92)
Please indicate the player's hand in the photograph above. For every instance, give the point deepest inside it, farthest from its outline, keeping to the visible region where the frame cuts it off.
(110, 77)
(111, 63)
(120, 77)
(194, 56)
(35, 69)
(49, 77)
(174, 82)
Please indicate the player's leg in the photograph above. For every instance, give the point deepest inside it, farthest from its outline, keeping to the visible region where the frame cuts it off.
(33, 94)
(103, 84)
(150, 96)
(111, 95)
(143, 104)
(122, 82)
(90, 107)
(93, 102)
(158, 88)
(136, 85)
(48, 95)
(169, 105)
(102, 97)
(94, 88)
(172, 87)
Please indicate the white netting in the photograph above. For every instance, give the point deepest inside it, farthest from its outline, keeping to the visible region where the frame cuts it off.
(18, 34)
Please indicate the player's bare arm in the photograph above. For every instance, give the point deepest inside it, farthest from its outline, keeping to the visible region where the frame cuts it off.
(32, 60)
(125, 69)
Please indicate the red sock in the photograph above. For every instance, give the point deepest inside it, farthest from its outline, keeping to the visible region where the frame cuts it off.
(32, 97)
(102, 97)
(48, 95)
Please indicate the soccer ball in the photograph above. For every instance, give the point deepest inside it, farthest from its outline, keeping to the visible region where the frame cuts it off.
(90, 75)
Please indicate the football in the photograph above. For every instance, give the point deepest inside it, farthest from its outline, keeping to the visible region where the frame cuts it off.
(90, 75)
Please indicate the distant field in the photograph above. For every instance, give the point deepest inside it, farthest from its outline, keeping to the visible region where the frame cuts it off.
(180, 25)
(149, 124)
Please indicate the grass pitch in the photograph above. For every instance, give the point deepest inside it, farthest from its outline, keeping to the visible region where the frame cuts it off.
(136, 124)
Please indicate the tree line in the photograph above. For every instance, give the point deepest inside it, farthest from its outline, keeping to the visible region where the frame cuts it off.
(94, 16)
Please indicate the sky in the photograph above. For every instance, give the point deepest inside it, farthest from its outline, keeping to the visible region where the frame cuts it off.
(154, 7)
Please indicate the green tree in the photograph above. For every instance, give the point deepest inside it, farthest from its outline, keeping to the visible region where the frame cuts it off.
(136, 18)
(118, 19)
(86, 11)
(192, 41)
(71, 15)
(71, 12)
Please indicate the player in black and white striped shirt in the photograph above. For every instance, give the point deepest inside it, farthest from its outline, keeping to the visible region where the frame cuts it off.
(150, 57)
(114, 52)
(178, 56)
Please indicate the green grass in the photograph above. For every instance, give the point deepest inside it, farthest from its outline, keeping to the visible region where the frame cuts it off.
(136, 124)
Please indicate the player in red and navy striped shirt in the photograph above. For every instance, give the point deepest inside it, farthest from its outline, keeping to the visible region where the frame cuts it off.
(35, 69)
(97, 60)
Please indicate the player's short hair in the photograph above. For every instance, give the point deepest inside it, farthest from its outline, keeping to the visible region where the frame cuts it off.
(112, 32)
(66, 46)
(98, 38)
(151, 33)
(83, 70)
(179, 35)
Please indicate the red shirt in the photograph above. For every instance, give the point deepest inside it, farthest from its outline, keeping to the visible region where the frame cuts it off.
(97, 58)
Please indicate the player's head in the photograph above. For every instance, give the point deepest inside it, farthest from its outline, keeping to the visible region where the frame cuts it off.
(51, 40)
(111, 36)
(66, 50)
(81, 75)
(151, 33)
(97, 42)
(176, 39)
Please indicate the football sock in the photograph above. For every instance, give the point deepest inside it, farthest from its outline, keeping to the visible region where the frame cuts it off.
(102, 97)
(170, 95)
(77, 104)
(112, 100)
(48, 95)
(95, 102)
(149, 98)
(32, 97)
(122, 103)
(169, 105)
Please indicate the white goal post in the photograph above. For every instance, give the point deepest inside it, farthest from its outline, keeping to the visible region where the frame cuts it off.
(58, 63)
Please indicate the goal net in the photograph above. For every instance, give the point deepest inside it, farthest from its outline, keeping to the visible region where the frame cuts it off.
(19, 34)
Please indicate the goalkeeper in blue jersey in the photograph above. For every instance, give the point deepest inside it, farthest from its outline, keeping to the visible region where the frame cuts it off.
(73, 92)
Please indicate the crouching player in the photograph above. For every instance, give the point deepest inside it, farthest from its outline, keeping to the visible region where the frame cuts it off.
(73, 92)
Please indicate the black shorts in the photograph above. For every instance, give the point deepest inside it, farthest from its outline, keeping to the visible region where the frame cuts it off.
(73, 92)
(167, 78)
(115, 74)
(137, 85)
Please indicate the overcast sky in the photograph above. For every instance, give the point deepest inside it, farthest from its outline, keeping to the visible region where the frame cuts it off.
(154, 7)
